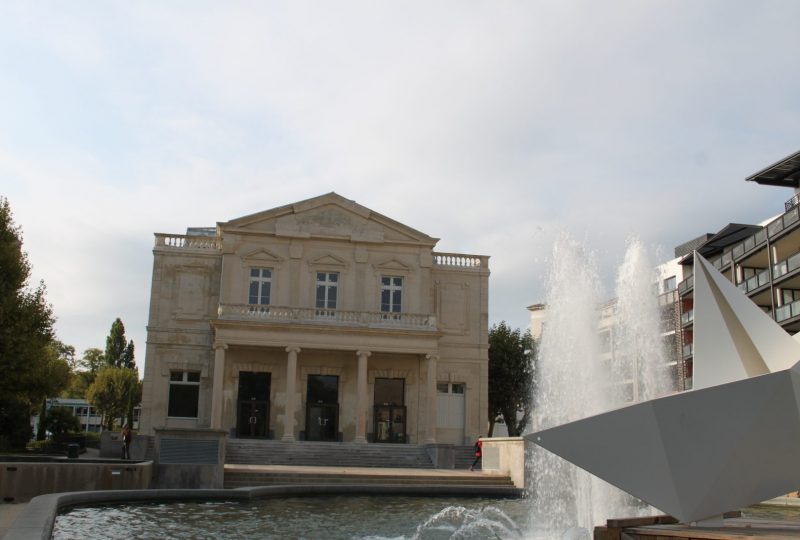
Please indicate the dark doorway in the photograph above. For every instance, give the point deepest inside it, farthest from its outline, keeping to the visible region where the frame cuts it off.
(322, 408)
(252, 411)
(390, 412)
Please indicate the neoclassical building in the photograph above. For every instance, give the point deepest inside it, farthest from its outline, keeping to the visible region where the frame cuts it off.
(319, 320)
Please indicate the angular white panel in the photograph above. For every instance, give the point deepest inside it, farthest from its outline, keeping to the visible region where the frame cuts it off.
(733, 338)
(697, 454)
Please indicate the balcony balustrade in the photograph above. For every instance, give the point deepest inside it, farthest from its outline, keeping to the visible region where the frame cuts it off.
(688, 350)
(787, 311)
(785, 266)
(686, 285)
(749, 243)
(459, 260)
(791, 217)
(794, 201)
(753, 283)
(182, 241)
(335, 317)
(687, 317)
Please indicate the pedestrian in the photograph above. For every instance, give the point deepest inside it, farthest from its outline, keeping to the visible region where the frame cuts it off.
(478, 454)
(127, 436)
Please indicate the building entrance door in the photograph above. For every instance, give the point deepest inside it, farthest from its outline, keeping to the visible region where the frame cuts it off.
(322, 408)
(252, 411)
(389, 414)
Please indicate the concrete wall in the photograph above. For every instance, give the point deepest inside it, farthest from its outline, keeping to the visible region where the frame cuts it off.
(21, 481)
(505, 455)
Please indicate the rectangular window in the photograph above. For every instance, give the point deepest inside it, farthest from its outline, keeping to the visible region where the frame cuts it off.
(391, 294)
(450, 388)
(327, 288)
(260, 285)
(184, 394)
(670, 284)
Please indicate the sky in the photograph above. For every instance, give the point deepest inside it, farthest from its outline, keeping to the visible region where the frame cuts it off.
(494, 126)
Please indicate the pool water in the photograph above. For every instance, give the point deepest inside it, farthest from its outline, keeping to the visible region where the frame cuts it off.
(340, 517)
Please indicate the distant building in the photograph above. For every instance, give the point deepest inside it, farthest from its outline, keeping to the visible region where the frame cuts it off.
(320, 320)
(90, 419)
(763, 260)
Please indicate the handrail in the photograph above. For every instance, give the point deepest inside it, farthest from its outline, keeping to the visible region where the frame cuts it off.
(789, 264)
(754, 282)
(787, 311)
(270, 313)
(460, 260)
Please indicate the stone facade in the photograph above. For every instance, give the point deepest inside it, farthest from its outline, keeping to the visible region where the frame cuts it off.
(319, 320)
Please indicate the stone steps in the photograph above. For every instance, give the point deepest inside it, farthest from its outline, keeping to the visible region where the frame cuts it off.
(236, 479)
(306, 453)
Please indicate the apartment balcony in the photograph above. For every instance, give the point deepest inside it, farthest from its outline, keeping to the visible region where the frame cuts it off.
(786, 266)
(687, 318)
(755, 282)
(787, 311)
(686, 285)
(723, 261)
(327, 317)
(749, 244)
(786, 221)
(688, 350)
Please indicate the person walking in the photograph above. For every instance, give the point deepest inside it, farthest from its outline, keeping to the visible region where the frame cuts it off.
(127, 436)
(478, 454)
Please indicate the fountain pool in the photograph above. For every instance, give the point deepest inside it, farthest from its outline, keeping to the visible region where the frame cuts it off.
(334, 517)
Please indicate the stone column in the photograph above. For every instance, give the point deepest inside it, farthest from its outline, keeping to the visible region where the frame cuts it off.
(217, 400)
(361, 402)
(291, 391)
(430, 437)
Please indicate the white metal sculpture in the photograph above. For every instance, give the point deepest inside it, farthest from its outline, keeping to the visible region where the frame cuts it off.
(698, 454)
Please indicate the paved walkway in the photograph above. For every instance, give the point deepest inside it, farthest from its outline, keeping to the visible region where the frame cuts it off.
(356, 471)
(8, 513)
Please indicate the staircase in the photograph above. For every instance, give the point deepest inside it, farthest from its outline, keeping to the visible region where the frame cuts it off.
(464, 456)
(236, 477)
(327, 454)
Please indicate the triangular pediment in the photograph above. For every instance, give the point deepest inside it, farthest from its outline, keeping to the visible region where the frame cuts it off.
(392, 264)
(260, 255)
(329, 216)
(328, 260)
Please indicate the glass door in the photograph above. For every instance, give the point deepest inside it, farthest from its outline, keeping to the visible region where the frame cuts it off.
(252, 411)
(389, 414)
(322, 408)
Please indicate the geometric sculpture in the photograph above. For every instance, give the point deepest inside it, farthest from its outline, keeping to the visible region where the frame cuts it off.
(700, 453)
(733, 338)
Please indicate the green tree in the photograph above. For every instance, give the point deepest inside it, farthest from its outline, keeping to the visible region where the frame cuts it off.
(61, 420)
(89, 365)
(30, 370)
(119, 351)
(112, 391)
(511, 354)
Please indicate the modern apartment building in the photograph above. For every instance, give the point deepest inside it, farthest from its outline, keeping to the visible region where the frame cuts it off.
(763, 260)
(320, 320)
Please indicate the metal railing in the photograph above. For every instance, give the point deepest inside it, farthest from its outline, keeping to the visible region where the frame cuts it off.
(794, 201)
(688, 350)
(787, 311)
(686, 285)
(753, 283)
(342, 317)
(687, 317)
(791, 217)
(749, 243)
(785, 266)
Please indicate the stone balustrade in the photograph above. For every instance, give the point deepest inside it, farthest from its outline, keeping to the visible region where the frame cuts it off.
(182, 241)
(460, 260)
(249, 312)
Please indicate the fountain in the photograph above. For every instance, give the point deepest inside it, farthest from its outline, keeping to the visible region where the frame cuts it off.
(572, 382)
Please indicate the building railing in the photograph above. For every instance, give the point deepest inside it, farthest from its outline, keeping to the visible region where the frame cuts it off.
(687, 317)
(785, 266)
(460, 260)
(722, 261)
(251, 312)
(749, 243)
(753, 283)
(183, 241)
(794, 201)
(667, 298)
(787, 311)
(791, 217)
(688, 350)
(686, 285)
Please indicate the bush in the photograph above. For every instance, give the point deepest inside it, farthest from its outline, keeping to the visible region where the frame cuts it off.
(61, 420)
(92, 439)
(42, 447)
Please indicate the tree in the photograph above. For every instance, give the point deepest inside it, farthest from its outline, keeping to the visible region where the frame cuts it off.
(119, 353)
(61, 420)
(511, 354)
(112, 392)
(30, 370)
(89, 365)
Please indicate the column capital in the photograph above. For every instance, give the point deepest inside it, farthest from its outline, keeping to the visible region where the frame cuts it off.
(223, 346)
(432, 356)
(292, 349)
(364, 353)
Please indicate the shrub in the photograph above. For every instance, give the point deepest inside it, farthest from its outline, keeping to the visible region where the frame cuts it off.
(15, 428)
